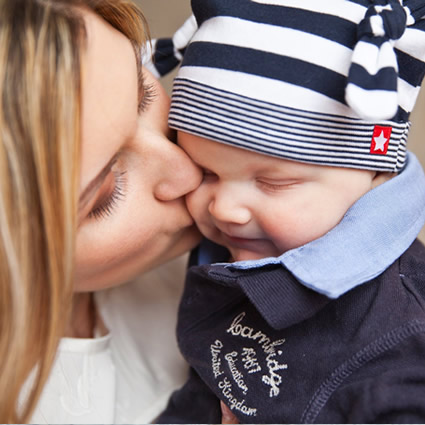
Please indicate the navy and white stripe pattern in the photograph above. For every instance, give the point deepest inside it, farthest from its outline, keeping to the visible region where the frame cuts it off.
(271, 76)
(281, 131)
(162, 55)
(372, 80)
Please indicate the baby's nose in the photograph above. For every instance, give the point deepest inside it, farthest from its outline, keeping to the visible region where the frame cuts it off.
(229, 210)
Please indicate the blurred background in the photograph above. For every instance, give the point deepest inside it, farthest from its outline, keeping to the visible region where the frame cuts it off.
(165, 16)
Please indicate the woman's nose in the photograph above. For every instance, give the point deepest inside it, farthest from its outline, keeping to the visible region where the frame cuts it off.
(225, 207)
(178, 174)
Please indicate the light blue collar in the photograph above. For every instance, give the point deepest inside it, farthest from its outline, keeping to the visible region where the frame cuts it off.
(374, 232)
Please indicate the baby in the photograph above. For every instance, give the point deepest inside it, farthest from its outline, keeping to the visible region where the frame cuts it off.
(297, 113)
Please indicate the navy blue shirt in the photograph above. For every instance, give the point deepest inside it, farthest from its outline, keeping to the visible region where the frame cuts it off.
(357, 359)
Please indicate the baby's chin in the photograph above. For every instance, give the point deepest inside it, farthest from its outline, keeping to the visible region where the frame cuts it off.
(245, 253)
(241, 250)
(242, 255)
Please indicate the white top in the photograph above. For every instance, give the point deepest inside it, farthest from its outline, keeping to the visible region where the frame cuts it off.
(128, 375)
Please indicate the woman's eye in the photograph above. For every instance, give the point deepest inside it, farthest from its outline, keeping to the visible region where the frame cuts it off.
(147, 98)
(107, 204)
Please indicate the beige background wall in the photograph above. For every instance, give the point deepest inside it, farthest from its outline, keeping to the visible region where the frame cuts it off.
(165, 16)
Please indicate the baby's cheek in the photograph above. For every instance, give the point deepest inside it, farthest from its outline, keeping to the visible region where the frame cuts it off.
(288, 230)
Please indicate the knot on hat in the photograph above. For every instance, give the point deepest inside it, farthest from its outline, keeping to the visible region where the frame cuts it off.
(372, 80)
(387, 21)
(165, 54)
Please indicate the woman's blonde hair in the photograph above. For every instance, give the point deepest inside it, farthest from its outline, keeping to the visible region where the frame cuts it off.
(41, 57)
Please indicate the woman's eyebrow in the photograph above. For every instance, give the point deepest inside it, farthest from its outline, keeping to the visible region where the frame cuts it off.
(91, 188)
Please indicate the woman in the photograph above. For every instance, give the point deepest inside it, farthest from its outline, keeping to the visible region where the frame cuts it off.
(91, 190)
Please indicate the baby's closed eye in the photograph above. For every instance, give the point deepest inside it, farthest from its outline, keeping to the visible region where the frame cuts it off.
(275, 185)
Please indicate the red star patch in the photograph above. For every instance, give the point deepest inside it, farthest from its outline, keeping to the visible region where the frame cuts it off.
(380, 140)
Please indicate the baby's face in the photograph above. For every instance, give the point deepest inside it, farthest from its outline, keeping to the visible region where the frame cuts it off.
(260, 206)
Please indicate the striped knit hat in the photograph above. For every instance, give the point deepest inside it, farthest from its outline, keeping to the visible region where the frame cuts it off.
(328, 82)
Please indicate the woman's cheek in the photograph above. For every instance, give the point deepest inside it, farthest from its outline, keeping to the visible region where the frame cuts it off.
(197, 205)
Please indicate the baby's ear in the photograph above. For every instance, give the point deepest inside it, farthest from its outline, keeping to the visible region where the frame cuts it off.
(382, 177)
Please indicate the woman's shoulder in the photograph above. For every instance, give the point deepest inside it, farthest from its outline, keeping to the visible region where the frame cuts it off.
(127, 375)
(82, 368)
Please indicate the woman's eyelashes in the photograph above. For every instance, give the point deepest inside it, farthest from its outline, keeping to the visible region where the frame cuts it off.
(148, 96)
(107, 204)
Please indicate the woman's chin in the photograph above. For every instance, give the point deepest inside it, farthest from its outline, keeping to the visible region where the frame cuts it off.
(189, 238)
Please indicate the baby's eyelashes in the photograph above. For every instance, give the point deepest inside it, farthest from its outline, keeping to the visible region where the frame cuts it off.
(273, 185)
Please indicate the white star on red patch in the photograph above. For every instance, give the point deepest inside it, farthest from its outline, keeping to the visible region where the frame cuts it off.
(380, 142)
